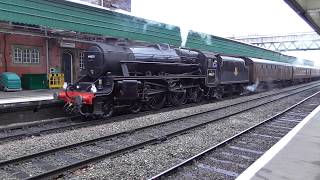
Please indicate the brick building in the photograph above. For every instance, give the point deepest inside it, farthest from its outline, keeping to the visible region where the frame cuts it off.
(32, 49)
(26, 54)
(30, 52)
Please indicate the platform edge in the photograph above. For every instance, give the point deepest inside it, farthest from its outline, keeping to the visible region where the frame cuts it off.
(275, 149)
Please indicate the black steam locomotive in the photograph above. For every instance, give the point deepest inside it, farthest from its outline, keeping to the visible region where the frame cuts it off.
(152, 76)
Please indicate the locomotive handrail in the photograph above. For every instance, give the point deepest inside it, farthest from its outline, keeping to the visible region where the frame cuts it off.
(156, 77)
(165, 63)
(143, 54)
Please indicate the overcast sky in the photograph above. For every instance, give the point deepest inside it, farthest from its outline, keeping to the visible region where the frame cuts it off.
(224, 17)
(227, 18)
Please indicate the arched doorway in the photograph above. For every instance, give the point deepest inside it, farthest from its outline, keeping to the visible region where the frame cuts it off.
(67, 67)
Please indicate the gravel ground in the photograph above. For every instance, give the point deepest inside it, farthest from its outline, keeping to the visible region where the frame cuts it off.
(153, 159)
(257, 148)
(147, 161)
(35, 144)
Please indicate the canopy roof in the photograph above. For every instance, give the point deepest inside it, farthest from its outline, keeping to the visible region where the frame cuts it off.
(71, 16)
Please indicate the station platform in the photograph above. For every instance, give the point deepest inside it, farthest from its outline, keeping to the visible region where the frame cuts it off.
(26, 97)
(29, 106)
(295, 156)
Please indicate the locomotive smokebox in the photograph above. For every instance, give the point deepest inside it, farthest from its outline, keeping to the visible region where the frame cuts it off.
(102, 58)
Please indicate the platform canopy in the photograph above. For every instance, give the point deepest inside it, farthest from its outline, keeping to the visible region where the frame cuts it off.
(75, 17)
(309, 10)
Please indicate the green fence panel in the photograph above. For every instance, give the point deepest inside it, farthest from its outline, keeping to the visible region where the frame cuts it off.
(34, 81)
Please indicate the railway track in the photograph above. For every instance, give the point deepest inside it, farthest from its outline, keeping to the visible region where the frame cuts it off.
(230, 158)
(53, 162)
(15, 132)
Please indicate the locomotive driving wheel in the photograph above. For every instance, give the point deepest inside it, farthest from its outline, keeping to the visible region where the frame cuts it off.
(156, 101)
(196, 95)
(107, 109)
(177, 98)
(135, 107)
(218, 94)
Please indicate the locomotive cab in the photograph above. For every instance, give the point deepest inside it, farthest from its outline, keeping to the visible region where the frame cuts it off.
(211, 65)
(223, 69)
(233, 70)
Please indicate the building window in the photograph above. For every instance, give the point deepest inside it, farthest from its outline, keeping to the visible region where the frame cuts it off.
(35, 56)
(81, 57)
(26, 55)
(17, 58)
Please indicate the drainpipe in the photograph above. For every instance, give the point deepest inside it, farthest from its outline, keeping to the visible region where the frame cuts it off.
(47, 51)
(5, 52)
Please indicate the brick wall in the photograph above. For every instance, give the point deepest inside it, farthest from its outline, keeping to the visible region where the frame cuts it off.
(8, 41)
(54, 54)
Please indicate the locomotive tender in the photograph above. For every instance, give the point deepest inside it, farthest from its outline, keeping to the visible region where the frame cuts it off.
(155, 75)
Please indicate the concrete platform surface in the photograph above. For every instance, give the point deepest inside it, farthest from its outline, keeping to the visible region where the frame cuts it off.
(294, 157)
(26, 96)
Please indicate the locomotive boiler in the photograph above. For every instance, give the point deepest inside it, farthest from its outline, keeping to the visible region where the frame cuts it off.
(104, 58)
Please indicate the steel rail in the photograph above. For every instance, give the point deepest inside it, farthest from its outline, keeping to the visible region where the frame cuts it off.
(5, 162)
(27, 106)
(27, 128)
(203, 153)
(29, 133)
(71, 166)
